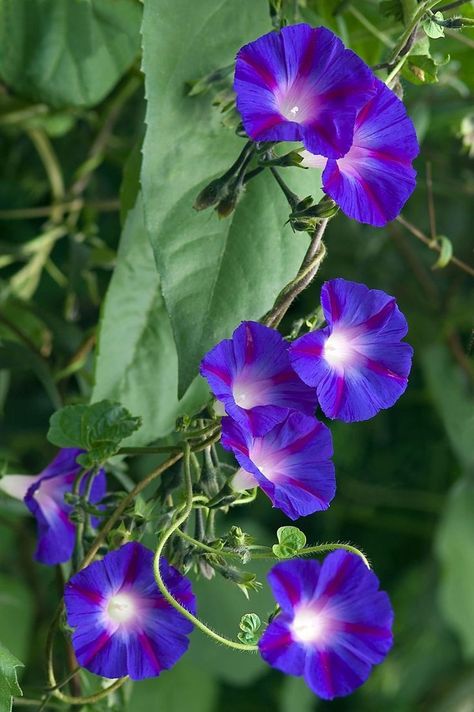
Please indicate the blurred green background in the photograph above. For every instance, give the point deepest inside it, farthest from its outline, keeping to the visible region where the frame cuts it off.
(72, 121)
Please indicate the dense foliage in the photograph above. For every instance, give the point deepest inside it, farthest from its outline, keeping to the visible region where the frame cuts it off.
(114, 116)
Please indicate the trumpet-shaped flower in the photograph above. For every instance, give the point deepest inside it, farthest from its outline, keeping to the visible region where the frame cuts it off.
(291, 463)
(373, 181)
(43, 494)
(251, 374)
(301, 84)
(334, 623)
(123, 624)
(358, 363)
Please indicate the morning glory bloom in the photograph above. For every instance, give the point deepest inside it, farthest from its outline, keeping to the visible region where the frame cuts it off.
(252, 376)
(291, 463)
(373, 181)
(43, 494)
(333, 626)
(123, 624)
(301, 84)
(358, 363)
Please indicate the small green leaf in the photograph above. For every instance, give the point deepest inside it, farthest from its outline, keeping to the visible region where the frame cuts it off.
(290, 541)
(9, 686)
(98, 428)
(446, 252)
(250, 625)
(432, 28)
(422, 69)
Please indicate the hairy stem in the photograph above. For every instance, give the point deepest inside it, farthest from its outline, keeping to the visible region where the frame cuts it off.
(156, 566)
(307, 272)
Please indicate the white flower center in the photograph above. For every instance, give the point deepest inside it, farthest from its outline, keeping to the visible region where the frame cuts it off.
(121, 608)
(338, 350)
(308, 625)
(248, 394)
(294, 110)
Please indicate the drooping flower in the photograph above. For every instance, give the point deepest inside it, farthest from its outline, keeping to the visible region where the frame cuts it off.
(251, 374)
(301, 84)
(123, 624)
(43, 494)
(373, 181)
(291, 463)
(358, 363)
(334, 624)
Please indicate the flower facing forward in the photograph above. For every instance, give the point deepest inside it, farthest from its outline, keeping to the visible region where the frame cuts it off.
(301, 84)
(334, 624)
(123, 624)
(291, 463)
(358, 363)
(43, 494)
(251, 374)
(373, 181)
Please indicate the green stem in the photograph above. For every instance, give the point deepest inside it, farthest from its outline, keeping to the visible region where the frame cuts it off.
(411, 26)
(396, 70)
(267, 553)
(53, 170)
(308, 270)
(156, 566)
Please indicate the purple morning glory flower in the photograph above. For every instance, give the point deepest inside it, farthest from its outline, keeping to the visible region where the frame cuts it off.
(291, 463)
(373, 181)
(123, 624)
(301, 84)
(334, 623)
(251, 374)
(43, 494)
(358, 363)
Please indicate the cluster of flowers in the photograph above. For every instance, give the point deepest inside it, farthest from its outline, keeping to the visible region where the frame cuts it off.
(301, 84)
(333, 622)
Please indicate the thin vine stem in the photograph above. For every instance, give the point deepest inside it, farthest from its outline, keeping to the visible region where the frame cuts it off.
(410, 28)
(313, 258)
(156, 565)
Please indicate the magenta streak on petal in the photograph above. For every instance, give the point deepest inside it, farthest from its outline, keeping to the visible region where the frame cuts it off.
(289, 587)
(326, 673)
(148, 650)
(310, 350)
(236, 445)
(293, 482)
(299, 444)
(339, 393)
(132, 568)
(259, 69)
(306, 63)
(377, 320)
(219, 373)
(95, 649)
(362, 629)
(283, 377)
(335, 307)
(92, 596)
(334, 584)
(383, 370)
(270, 122)
(249, 345)
(284, 640)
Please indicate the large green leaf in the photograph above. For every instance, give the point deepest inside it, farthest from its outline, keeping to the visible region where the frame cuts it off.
(8, 679)
(214, 272)
(454, 548)
(67, 53)
(137, 362)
